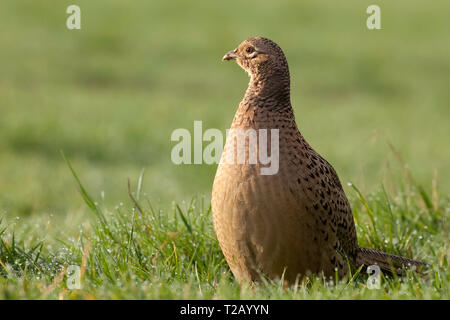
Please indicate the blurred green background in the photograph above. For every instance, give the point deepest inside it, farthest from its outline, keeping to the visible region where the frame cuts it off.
(110, 95)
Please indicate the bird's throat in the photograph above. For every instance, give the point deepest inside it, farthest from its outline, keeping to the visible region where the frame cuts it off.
(271, 92)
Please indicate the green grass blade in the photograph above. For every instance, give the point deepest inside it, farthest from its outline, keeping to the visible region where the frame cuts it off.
(188, 227)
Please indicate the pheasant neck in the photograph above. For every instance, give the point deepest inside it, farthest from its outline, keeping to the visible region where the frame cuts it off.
(269, 91)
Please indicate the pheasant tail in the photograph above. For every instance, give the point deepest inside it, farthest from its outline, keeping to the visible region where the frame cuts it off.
(388, 263)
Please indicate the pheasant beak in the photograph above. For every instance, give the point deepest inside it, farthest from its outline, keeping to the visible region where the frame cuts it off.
(230, 55)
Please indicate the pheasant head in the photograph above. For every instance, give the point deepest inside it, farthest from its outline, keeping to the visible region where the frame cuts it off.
(267, 67)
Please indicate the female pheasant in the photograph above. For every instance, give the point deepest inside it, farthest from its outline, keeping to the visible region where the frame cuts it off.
(297, 220)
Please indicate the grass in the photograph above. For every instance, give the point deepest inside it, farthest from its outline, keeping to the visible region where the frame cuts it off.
(111, 94)
(138, 252)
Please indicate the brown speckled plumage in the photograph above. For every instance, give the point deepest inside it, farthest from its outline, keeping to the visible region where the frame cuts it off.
(297, 220)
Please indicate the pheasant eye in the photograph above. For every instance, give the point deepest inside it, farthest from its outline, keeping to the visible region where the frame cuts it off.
(249, 49)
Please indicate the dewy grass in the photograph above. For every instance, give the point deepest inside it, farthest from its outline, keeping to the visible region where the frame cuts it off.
(149, 253)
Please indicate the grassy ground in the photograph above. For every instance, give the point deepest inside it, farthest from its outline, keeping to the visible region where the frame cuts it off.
(143, 252)
(110, 95)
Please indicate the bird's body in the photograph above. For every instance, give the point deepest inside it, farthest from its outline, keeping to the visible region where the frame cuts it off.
(287, 220)
(295, 221)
